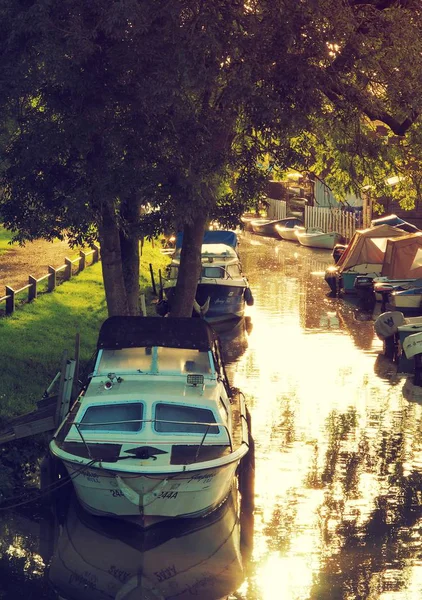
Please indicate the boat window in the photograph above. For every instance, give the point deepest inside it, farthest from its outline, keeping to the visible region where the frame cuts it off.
(125, 359)
(213, 272)
(182, 360)
(234, 270)
(176, 418)
(113, 417)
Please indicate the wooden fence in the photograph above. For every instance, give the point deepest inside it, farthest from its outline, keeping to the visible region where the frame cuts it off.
(50, 281)
(277, 209)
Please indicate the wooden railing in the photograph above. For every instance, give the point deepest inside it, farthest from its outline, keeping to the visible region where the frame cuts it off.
(52, 279)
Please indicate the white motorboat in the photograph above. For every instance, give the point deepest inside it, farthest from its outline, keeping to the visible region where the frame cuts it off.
(223, 290)
(157, 431)
(317, 238)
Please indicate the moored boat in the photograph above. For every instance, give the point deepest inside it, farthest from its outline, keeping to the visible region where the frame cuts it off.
(157, 431)
(266, 227)
(317, 238)
(223, 289)
(364, 255)
(286, 229)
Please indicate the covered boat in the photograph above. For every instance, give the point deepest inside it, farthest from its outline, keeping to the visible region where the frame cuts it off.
(364, 255)
(395, 221)
(223, 290)
(157, 431)
(401, 270)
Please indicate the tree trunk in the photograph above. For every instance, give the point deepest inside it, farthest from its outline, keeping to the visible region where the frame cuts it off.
(129, 246)
(190, 268)
(111, 262)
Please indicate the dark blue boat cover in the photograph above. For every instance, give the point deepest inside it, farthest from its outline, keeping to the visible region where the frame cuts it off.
(182, 332)
(214, 236)
(394, 221)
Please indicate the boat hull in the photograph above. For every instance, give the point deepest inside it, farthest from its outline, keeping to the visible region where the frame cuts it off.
(153, 496)
(325, 241)
(225, 301)
(287, 233)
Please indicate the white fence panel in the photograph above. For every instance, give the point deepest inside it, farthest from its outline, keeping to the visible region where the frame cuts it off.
(332, 219)
(277, 209)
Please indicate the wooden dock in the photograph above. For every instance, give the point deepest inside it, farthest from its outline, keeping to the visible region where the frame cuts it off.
(51, 408)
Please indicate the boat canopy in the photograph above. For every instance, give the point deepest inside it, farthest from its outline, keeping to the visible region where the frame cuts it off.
(403, 257)
(395, 221)
(368, 246)
(214, 236)
(128, 332)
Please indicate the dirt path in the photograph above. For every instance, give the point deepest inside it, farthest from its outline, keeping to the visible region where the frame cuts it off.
(33, 259)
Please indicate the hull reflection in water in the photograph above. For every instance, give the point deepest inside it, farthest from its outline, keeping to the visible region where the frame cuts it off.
(98, 558)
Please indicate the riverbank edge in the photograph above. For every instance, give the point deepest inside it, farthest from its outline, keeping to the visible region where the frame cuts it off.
(35, 337)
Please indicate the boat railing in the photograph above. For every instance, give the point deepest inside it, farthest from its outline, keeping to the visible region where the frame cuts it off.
(209, 427)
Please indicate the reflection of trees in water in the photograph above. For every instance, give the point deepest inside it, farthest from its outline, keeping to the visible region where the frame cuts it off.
(368, 552)
(24, 553)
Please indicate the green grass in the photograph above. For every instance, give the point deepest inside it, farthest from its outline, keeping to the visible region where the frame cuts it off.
(5, 237)
(33, 339)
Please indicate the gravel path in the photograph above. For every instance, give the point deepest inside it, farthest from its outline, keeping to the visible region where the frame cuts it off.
(32, 259)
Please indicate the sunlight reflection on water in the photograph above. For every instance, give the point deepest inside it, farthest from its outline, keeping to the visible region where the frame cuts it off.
(338, 448)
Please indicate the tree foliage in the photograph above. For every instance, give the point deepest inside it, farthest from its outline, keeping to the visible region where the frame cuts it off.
(115, 106)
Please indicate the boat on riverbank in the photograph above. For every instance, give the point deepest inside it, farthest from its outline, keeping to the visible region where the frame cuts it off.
(157, 430)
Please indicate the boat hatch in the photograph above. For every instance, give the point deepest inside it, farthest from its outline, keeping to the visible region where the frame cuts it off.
(153, 360)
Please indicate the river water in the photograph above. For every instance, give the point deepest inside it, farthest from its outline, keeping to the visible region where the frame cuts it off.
(338, 462)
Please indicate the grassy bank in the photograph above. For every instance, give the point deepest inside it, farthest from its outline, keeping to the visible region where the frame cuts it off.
(5, 237)
(33, 339)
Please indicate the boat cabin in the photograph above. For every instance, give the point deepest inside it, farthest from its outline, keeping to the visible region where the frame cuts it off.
(147, 394)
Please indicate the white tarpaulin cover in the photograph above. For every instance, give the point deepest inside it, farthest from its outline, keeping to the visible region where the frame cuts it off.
(403, 257)
(367, 246)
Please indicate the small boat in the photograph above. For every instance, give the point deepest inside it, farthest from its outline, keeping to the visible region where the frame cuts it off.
(408, 301)
(286, 228)
(223, 290)
(157, 431)
(394, 329)
(317, 238)
(266, 227)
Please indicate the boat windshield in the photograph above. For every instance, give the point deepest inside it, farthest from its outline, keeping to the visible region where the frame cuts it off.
(154, 360)
(178, 418)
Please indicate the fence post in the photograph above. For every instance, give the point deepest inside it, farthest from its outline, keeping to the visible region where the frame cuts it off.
(154, 289)
(10, 301)
(32, 291)
(52, 279)
(68, 270)
(82, 261)
(96, 254)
